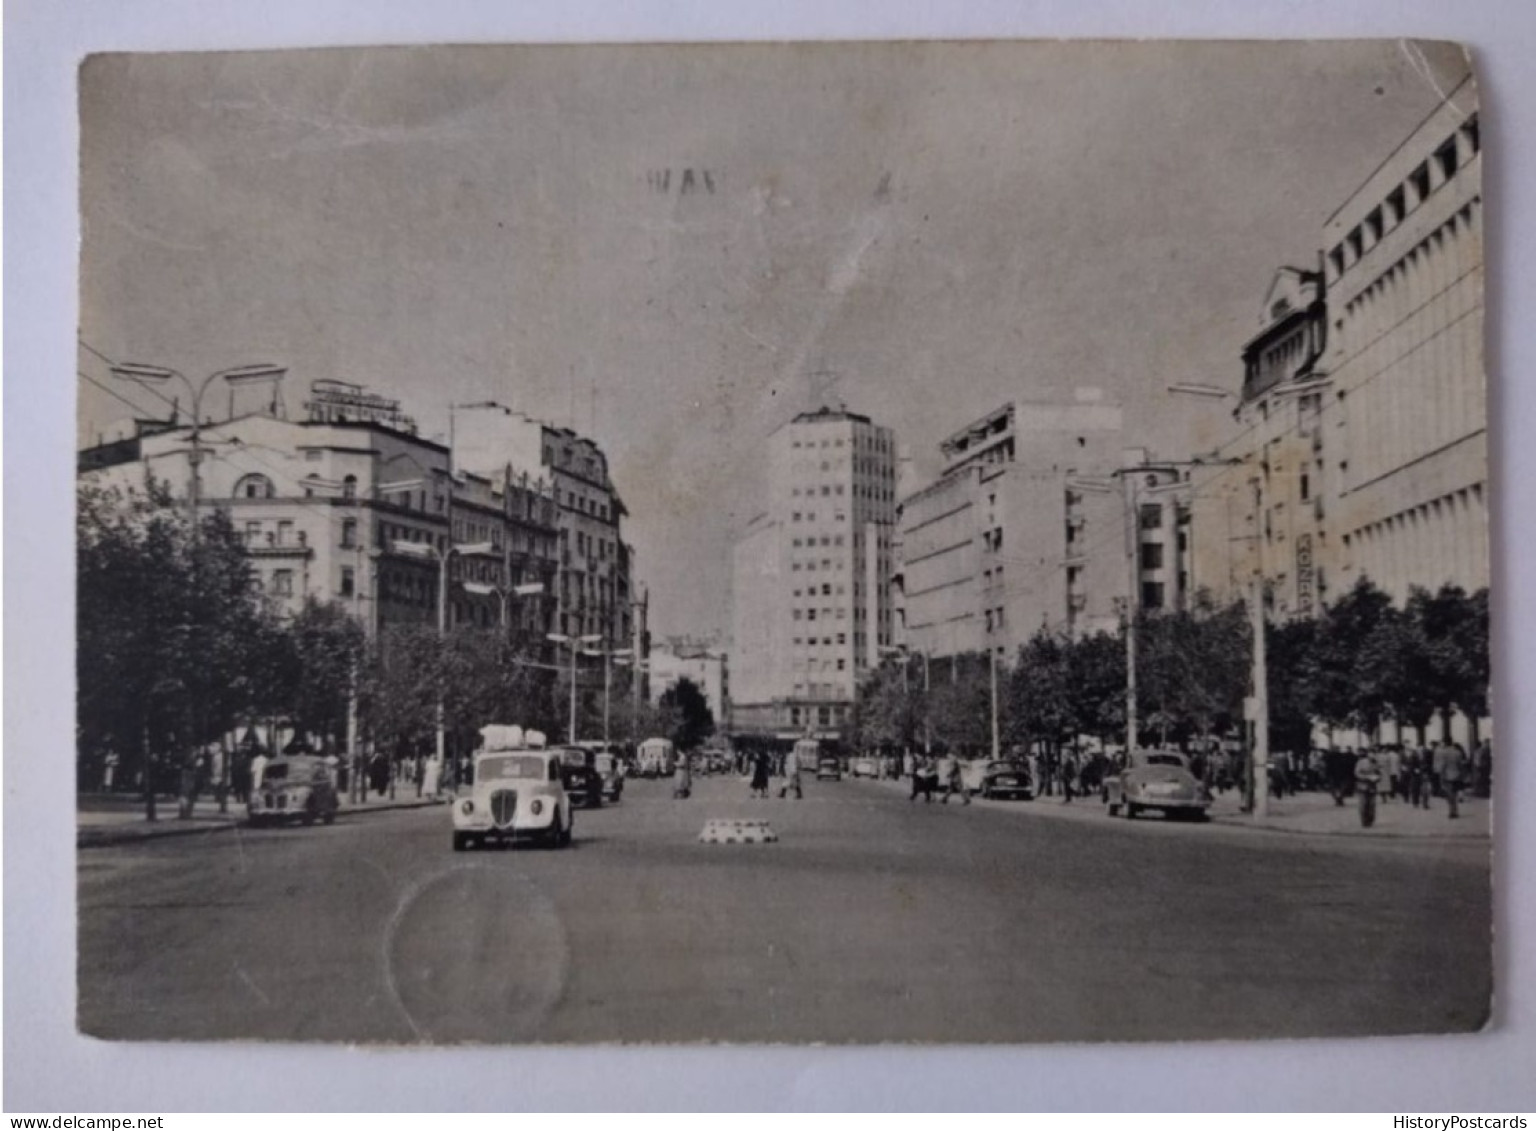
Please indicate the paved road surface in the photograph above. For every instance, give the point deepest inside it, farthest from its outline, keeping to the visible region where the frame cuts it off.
(871, 920)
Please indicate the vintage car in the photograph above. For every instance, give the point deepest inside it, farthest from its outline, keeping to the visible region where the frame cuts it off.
(610, 768)
(518, 792)
(582, 781)
(1006, 779)
(828, 768)
(294, 787)
(657, 758)
(1156, 779)
(864, 766)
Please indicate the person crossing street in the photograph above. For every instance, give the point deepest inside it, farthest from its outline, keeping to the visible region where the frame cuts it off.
(953, 783)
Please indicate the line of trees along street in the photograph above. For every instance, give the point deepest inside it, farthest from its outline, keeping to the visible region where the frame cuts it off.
(179, 653)
(1360, 663)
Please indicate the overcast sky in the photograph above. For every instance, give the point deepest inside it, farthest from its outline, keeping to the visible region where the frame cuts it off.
(920, 231)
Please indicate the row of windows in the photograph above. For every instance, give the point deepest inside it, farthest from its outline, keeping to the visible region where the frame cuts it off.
(826, 540)
(825, 716)
(582, 503)
(873, 443)
(810, 565)
(826, 591)
(1452, 153)
(586, 544)
(826, 613)
(815, 641)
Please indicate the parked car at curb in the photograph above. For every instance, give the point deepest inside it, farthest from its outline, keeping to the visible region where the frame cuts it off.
(518, 793)
(864, 767)
(1006, 779)
(1156, 779)
(294, 787)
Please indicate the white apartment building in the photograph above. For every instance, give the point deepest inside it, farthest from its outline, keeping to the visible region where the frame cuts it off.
(811, 585)
(1016, 533)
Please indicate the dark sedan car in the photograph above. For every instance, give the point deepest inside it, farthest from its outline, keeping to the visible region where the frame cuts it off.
(1007, 779)
(582, 782)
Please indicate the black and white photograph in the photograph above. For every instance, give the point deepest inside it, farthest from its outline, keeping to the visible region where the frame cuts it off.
(862, 543)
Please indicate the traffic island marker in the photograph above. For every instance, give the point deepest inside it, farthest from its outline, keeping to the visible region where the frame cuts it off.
(740, 831)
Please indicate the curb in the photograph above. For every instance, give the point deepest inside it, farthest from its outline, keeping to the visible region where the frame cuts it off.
(106, 836)
(1237, 821)
(1423, 838)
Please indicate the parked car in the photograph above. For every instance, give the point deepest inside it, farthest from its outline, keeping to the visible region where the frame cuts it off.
(294, 787)
(864, 767)
(582, 781)
(1156, 779)
(1006, 779)
(519, 792)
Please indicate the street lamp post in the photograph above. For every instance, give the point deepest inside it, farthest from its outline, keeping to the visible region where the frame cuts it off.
(441, 556)
(574, 644)
(1257, 799)
(504, 595)
(610, 656)
(151, 376)
(237, 376)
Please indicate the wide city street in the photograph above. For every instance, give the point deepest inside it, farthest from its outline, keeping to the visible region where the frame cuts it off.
(871, 919)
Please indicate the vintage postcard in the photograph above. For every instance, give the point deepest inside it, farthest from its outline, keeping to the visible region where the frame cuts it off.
(843, 542)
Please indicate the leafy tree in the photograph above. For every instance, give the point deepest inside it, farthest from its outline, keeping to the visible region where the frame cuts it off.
(1288, 651)
(327, 646)
(398, 700)
(960, 702)
(695, 721)
(1039, 693)
(1332, 673)
(166, 620)
(1192, 669)
(1096, 686)
(890, 710)
(1454, 631)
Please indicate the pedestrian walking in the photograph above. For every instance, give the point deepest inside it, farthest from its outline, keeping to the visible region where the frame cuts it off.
(1449, 769)
(1483, 770)
(954, 783)
(1068, 777)
(924, 779)
(760, 774)
(791, 776)
(682, 785)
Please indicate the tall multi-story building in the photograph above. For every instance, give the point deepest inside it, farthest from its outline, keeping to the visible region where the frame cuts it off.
(1404, 261)
(596, 587)
(811, 585)
(1009, 538)
(324, 506)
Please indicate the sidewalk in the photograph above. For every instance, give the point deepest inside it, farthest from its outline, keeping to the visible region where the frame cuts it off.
(104, 819)
(1315, 813)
